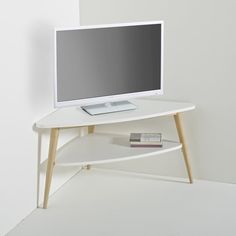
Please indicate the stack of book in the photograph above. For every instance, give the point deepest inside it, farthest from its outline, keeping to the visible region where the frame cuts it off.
(145, 140)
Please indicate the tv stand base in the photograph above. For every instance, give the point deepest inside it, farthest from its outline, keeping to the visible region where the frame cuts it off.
(103, 108)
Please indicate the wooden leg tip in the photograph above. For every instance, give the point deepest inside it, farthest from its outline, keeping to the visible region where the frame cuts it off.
(88, 167)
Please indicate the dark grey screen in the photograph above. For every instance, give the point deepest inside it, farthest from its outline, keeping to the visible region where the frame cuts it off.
(108, 61)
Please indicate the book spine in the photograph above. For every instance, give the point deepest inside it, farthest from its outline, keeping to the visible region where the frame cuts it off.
(145, 145)
(146, 137)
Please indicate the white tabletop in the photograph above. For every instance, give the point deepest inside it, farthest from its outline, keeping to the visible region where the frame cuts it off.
(147, 107)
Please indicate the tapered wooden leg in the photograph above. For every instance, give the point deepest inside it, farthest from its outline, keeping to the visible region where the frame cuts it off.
(91, 129)
(182, 139)
(50, 165)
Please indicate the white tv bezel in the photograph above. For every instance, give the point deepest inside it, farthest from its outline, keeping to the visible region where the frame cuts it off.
(109, 98)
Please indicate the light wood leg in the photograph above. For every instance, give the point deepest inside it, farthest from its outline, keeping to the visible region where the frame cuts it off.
(87, 167)
(50, 165)
(179, 126)
(91, 129)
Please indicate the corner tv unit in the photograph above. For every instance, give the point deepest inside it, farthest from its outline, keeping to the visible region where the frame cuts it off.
(100, 67)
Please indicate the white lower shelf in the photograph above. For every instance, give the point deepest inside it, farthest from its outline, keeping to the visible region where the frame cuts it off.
(106, 148)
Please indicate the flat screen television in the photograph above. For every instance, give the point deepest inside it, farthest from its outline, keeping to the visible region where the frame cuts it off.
(105, 63)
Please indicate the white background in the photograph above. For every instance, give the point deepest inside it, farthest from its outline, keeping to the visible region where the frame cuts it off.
(199, 61)
(200, 56)
(26, 94)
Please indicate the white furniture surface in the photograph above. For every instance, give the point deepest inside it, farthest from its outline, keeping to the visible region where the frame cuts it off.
(147, 107)
(97, 148)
